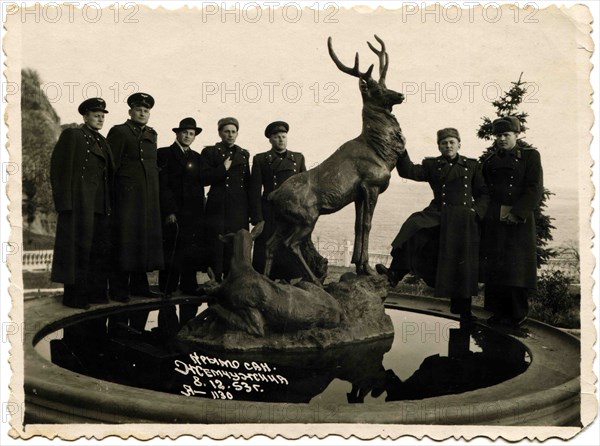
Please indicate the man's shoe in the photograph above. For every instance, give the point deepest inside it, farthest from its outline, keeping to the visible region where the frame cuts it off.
(98, 299)
(519, 322)
(78, 306)
(122, 299)
(393, 276)
(507, 321)
(147, 293)
(467, 317)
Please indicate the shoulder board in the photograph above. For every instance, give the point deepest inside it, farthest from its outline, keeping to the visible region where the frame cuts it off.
(487, 156)
(524, 145)
(430, 158)
(151, 130)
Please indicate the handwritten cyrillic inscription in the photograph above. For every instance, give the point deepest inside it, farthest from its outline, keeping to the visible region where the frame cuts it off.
(218, 378)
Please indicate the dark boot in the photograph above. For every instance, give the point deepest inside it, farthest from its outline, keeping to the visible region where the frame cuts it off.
(393, 276)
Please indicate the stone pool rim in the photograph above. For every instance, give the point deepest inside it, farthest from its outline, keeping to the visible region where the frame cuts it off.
(55, 395)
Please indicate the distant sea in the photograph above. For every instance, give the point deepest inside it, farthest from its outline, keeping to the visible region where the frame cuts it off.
(402, 198)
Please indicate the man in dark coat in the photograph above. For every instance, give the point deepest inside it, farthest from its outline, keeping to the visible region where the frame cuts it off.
(513, 172)
(81, 170)
(182, 209)
(441, 243)
(137, 234)
(269, 170)
(226, 169)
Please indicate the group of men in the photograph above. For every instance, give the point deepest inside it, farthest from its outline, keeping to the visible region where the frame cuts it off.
(126, 207)
(479, 227)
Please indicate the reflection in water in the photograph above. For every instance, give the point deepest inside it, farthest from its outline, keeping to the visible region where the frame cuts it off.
(462, 370)
(121, 350)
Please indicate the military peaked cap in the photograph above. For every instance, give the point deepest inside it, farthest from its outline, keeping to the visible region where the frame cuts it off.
(276, 127)
(143, 99)
(92, 104)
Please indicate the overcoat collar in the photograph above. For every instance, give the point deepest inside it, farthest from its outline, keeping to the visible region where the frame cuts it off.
(451, 171)
(178, 154)
(272, 155)
(239, 154)
(138, 130)
(95, 139)
(516, 151)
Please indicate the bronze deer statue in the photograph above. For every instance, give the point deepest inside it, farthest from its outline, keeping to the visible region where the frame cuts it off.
(248, 301)
(356, 172)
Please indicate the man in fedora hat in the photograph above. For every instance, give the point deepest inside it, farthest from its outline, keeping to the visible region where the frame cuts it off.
(137, 234)
(226, 169)
(440, 244)
(269, 170)
(81, 171)
(182, 211)
(513, 171)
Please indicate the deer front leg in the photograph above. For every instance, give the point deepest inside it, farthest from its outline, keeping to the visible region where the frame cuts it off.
(293, 243)
(271, 246)
(370, 195)
(359, 204)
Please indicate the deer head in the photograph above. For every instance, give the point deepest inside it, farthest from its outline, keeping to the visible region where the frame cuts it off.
(372, 91)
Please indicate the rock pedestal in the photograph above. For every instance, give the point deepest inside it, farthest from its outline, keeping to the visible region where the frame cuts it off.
(364, 318)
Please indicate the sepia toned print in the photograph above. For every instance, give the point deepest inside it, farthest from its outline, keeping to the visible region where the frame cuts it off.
(212, 232)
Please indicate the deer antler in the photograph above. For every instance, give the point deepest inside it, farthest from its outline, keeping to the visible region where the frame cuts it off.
(384, 59)
(351, 71)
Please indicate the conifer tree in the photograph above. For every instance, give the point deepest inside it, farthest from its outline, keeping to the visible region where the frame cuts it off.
(508, 104)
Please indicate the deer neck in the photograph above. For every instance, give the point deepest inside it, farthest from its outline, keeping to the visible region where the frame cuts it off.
(382, 133)
(242, 257)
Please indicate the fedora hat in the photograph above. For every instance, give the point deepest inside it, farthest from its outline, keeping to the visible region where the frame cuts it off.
(187, 124)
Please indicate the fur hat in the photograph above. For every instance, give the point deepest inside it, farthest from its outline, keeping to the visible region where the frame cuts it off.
(226, 121)
(506, 124)
(448, 132)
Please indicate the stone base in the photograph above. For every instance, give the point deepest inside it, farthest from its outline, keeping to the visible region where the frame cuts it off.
(361, 299)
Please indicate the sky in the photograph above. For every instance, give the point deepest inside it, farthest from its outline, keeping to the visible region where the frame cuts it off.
(264, 64)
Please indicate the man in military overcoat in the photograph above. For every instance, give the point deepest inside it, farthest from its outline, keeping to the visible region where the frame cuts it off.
(226, 169)
(513, 172)
(441, 243)
(137, 234)
(81, 170)
(182, 209)
(269, 170)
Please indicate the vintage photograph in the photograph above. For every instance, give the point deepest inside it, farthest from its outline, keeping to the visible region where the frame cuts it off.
(294, 218)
